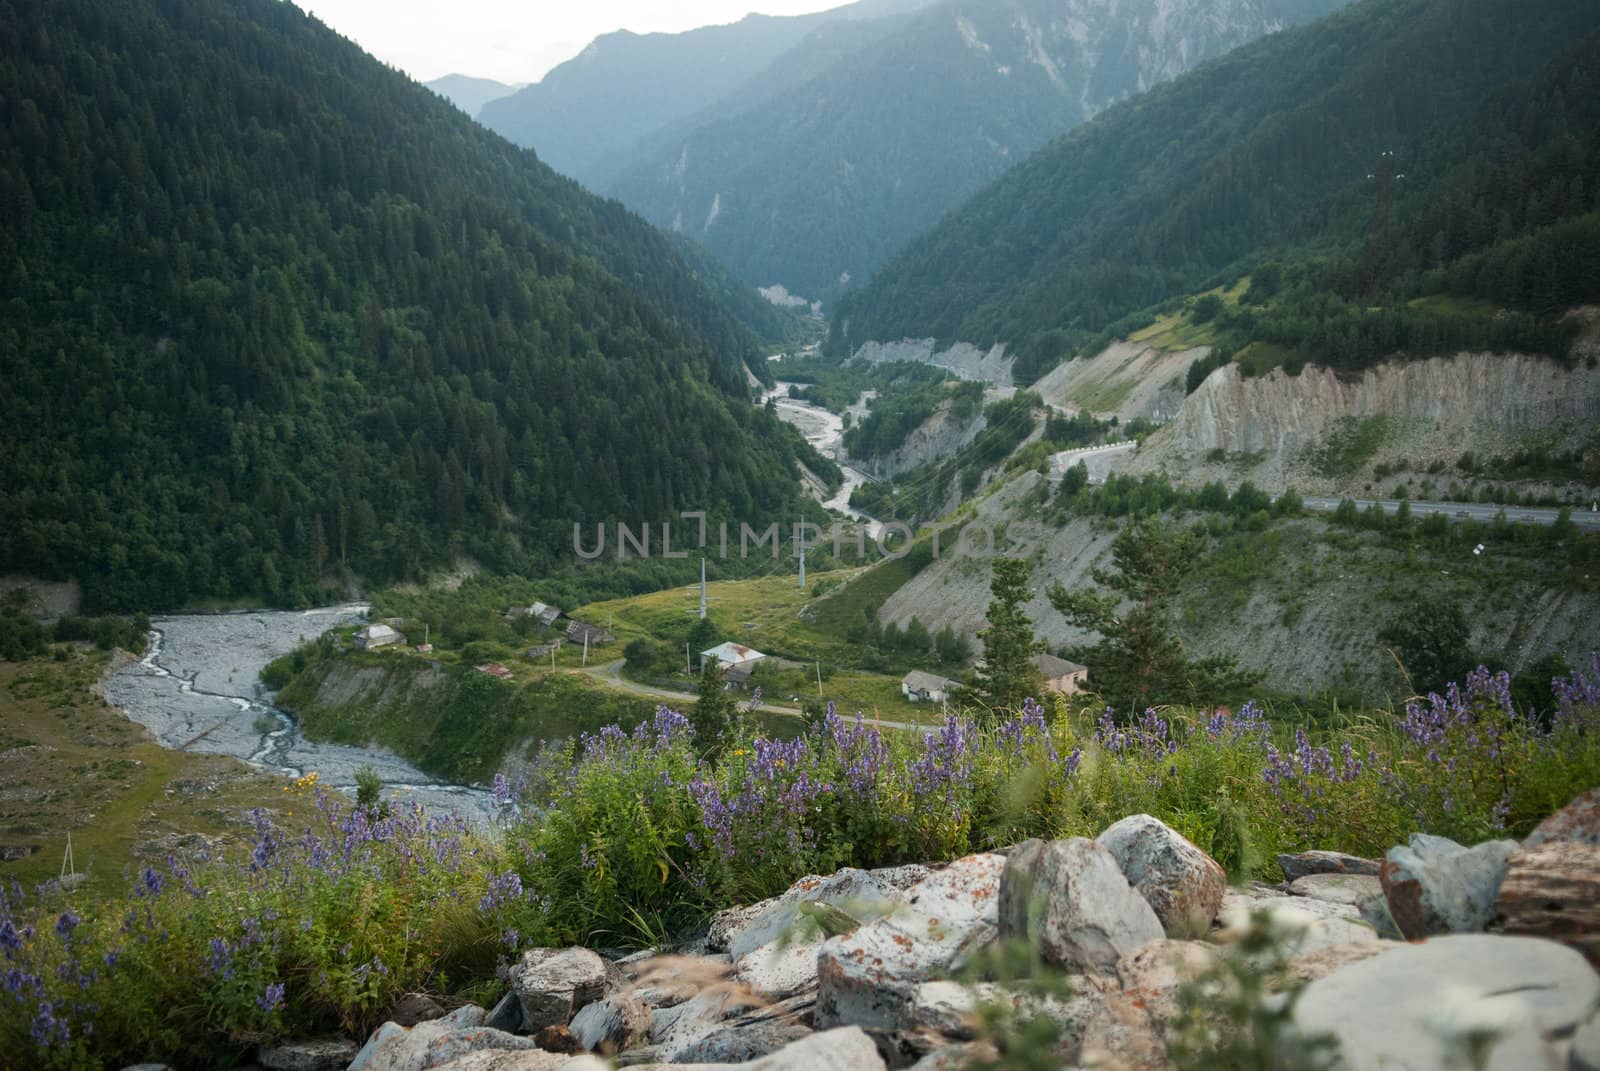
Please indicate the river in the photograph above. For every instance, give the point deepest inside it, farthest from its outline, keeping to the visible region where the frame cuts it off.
(198, 688)
(824, 430)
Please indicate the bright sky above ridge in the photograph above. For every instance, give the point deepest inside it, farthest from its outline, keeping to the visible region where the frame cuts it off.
(517, 40)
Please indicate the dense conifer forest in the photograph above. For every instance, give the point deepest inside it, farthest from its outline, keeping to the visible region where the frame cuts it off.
(276, 316)
(1272, 159)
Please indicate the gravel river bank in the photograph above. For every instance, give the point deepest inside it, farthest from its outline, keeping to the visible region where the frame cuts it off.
(198, 688)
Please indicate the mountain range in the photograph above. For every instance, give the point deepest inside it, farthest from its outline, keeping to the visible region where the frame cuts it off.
(816, 164)
(471, 94)
(1368, 166)
(624, 85)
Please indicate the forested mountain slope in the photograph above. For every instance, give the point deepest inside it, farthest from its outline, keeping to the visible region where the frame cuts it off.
(815, 187)
(625, 85)
(1272, 158)
(275, 314)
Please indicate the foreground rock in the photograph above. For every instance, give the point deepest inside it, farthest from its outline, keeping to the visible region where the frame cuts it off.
(775, 950)
(316, 1054)
(1553, 890)
(1418, 1007)
(1434, 886)
(1182, 884)
(553, 985)
(1300, 864)
(1070, 900)
(865, 978)
(611, 1024)
(393, 1047)
(1576, 823)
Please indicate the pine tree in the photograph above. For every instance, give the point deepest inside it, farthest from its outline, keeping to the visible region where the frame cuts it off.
(714, 708)
(1008, 675)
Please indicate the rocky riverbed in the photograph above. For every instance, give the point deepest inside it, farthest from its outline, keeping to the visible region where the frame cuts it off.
(825, 431)
(198, 688)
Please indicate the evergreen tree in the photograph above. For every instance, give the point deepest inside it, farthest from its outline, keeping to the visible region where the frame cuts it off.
(1140, 661)
(1008, 674)
(714, 709)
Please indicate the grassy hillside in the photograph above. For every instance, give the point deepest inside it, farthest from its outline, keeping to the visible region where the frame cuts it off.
(71, 764)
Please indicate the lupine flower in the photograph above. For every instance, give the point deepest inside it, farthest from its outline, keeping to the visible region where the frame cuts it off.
(271, 998)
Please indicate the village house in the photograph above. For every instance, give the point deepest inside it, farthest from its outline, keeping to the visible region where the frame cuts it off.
(543, 613)
(494, 669)
(373, 637)
(730, 655)
(1060, 676)
(544, 650)
(593, 635)
(921, 687)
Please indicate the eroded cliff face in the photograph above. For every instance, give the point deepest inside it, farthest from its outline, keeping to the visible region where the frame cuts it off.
(1433, 409)
(941, 435)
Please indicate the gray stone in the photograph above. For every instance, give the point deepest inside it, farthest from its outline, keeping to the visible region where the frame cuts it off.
(454, 1044)
(554, 985)
(901, 877)
(1154, 974)
(1414, 1007)
(511, 1060)
(675, 1029)
(394, 1047)
(1299, 864)
(947, 1008)
(507, 1015)
(775, 951)
(1576, 823)
(1435, 886)
(1070, 900)
(1181, 883)
(312, 1054)
(737, 1043)
(1586, 1046)
(1352, 889)
(729, 921)
(414, 1008)
(845, 1049)
(612, 1024)
(866, 977)
(1302, 925)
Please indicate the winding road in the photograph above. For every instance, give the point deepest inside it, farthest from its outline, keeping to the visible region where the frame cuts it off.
(610, 675)
(1588, 520)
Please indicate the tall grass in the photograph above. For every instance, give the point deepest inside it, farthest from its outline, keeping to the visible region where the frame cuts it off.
(639, 836)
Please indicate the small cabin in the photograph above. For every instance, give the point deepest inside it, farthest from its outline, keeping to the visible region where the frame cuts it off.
(373, 637)
(1060, 676)
(729, 655)
(593, 635)
(920, 687)
(494, 669)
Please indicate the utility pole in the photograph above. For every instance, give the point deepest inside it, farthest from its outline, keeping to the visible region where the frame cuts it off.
(585, 647)
(819, 680)
(1380, 253)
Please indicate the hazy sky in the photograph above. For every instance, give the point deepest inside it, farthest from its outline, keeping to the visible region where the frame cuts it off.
(517, 40)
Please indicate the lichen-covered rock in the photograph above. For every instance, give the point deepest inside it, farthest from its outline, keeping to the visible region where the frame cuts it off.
(1576, 823)
(1417, 1007)
(866, 977)
(553, 985)
(1300, 864)
(1553, 890)
(312, 1054)
(1070, 900)
(775, 951)
(1181, 883)
(1154, 974)
(611, 1024)
(1435, 886)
